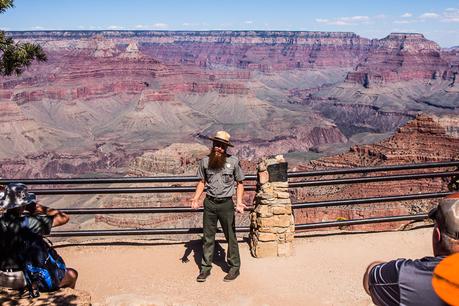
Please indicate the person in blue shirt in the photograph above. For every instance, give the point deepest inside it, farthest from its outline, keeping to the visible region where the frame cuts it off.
(22, 214)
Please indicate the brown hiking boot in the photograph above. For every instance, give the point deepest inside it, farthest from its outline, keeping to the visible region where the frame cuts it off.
(202, 276)
(232, 275)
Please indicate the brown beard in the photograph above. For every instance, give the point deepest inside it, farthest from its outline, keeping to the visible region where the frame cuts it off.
(216, 162)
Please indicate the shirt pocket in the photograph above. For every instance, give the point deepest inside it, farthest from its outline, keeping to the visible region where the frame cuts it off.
(228, 176)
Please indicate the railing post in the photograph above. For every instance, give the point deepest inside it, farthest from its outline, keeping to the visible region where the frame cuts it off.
(272, 225)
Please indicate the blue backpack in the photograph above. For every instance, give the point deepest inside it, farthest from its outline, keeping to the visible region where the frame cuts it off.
(43, 268)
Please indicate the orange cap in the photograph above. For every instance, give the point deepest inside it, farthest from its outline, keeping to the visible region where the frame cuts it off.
(445, 279)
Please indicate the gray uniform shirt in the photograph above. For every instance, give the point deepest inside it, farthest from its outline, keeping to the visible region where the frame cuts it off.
(220, 183)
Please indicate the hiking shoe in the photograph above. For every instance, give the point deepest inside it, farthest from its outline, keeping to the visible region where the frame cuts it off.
(202, 276)
(232, 275)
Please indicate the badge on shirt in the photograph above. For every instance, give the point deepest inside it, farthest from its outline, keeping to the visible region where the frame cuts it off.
(228, 165)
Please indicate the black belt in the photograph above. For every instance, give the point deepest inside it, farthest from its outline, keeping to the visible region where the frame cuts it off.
(218, 200)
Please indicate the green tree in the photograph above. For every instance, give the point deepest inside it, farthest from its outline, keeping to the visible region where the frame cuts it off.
(14, 57)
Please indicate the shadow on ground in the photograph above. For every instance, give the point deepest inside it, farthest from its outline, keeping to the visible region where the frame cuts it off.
(195, 247)
(65, 296)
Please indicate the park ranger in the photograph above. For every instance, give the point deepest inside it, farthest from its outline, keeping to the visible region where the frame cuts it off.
(219, 172)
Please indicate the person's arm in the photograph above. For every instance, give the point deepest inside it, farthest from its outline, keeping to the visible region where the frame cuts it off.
(239, 198)
(366, 276)
(59, 218)
(197, 194)
(380, 281)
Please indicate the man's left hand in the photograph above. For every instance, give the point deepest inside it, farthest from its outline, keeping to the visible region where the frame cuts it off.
(240, 207)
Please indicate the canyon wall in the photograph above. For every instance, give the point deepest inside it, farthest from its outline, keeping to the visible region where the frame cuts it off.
(104, 97)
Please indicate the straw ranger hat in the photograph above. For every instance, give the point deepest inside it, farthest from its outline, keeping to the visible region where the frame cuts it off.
(223, 137)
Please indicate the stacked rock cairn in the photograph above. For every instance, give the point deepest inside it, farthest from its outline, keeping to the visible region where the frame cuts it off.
(272, 225)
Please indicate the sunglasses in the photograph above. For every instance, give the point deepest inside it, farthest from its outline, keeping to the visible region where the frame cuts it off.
(219, 145)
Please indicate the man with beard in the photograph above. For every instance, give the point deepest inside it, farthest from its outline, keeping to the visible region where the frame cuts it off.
(218, 172)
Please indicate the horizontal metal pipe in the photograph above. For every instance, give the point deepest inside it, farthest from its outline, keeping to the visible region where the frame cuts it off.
(358, 180)
(360, 221)
(130, 232)
(167, 231)
(168, 189)
(112, 180)
(165, 189)
(150, 210)
(374, 169)
(251, 177)
(129, 210)
(418, 196)
(134, 210)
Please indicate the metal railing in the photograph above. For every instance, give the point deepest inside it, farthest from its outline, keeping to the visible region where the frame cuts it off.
(190, 179)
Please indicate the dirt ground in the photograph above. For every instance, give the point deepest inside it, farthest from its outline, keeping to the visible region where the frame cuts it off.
(325, 269)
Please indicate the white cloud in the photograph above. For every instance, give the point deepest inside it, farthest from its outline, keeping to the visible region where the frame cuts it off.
(429, 15)
(407, 15)
(404, 21)
(115, 27)
(140, 26)
(38, 28)
(160, 25)
(353, 20)
(451, 15)
(248, 22)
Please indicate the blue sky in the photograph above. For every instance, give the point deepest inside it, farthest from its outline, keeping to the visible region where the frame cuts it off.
(436, 19)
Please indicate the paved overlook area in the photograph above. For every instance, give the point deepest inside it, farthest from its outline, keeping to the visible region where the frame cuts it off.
(325, 269)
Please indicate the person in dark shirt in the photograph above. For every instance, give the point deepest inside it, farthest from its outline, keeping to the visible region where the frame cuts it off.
(409, 282)
(22, 215)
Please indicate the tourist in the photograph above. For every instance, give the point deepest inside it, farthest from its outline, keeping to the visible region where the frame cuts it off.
(22, 217)
(409, 282)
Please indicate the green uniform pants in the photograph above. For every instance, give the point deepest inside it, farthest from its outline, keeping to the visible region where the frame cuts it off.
(223, 212)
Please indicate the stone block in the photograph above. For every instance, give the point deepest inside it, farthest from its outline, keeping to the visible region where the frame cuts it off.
(283, 220)
(280, 202)
(279, 184)
(265, 196)
(267, 188)
(280, 158)
(264, 211)
(267, 222)
(266, 229)
(277, 220)
(282, 210)
(263, 177)
(266, 249)
(285, 249)
(268, 201)
(262, 166)
(281, 189)
(267, 237)
(280, 230)
(282, 195)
